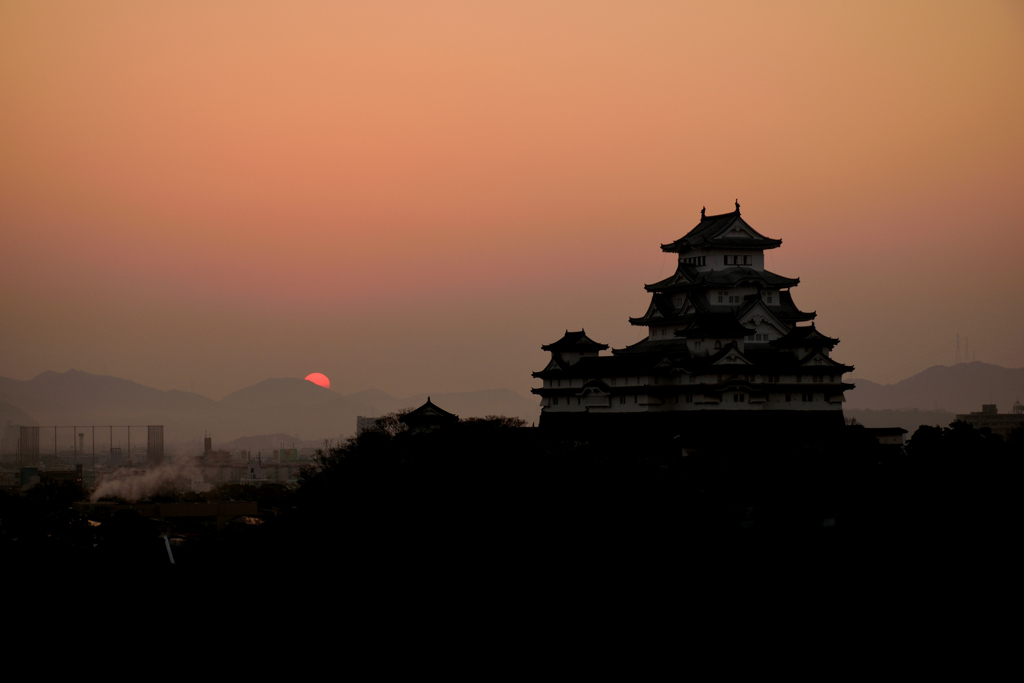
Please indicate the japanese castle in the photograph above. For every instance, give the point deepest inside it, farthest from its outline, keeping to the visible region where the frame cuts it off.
(723, 335)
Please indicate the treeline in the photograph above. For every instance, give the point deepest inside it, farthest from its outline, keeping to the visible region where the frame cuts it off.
(493, 495)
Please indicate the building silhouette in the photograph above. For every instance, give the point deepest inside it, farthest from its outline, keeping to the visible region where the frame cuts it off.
(1001, 424)
(428, 417)
(724, 336)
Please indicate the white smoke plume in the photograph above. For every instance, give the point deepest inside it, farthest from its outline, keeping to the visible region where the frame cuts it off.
(133, 485)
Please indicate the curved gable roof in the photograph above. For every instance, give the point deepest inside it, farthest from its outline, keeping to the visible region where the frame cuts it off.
(723, 230)
(575, 341)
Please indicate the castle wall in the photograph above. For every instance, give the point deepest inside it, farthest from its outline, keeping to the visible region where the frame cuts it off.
(700, 426)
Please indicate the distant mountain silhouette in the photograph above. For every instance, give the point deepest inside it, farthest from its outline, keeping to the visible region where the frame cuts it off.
(960, 388)
(278, 406)
(16, 416)
(379, 402)
(279, 391)
(76, 397)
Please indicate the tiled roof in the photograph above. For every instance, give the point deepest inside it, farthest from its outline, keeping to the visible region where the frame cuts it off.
(428, 412)
(574, 341)
(788, 311)
(804, 336)
(664, 358)
(687, 277)
(711, 230)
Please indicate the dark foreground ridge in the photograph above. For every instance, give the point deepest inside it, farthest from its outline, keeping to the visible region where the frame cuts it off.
(491, 500)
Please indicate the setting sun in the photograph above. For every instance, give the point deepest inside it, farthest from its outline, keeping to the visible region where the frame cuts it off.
(319, 378)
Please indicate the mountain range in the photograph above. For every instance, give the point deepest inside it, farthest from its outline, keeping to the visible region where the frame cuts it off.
(281, 405)
(960, 388)
(307, 412)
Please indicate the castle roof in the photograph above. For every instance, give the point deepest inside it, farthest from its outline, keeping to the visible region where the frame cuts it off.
(721, 321)
(688, 277)
(727, 230)
(662, 312)
(665, 357)
(788, 312)
(575, 341)
(804, 336)
(658, 346)
(428, 414)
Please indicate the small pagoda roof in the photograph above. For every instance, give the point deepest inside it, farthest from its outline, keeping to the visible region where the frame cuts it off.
(804, 336)
(724, 230)
(428, 414)
(575, 341)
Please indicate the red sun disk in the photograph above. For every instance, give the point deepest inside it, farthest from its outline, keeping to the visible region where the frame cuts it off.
(320, 379)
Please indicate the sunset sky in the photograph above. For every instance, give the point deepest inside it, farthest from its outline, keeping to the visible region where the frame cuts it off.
(414, 196)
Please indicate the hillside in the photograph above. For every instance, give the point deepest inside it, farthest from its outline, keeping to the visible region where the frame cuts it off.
(959, 388)
(289, 406)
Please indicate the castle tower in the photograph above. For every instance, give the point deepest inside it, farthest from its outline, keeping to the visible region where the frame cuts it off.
(723, 334)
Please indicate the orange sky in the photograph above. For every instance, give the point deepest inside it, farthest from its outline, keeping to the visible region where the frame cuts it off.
(415, 196)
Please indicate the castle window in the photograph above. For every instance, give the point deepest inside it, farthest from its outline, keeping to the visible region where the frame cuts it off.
(746, 260)
(622, 400)
(808, 397)
(554, 401)
(739, 398)
(718, 344)
(721, 297)
(769, 297)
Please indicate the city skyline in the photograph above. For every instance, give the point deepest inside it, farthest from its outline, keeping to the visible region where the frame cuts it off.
(416, 197)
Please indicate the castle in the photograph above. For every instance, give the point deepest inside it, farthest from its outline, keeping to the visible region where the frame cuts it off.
(723, 335)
